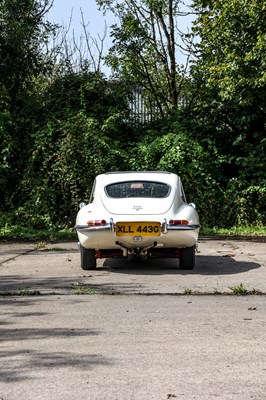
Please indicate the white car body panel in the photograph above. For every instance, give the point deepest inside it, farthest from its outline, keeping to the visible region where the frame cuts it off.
(137, 209)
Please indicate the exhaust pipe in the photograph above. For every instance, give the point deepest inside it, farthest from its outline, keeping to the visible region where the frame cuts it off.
(143, 252)
(124, 246)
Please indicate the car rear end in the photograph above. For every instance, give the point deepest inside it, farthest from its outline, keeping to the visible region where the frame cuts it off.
(140, 214)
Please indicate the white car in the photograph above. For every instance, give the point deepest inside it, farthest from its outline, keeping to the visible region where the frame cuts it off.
(137, 214)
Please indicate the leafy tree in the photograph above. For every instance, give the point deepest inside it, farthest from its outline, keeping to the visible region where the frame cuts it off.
(146, 42)
(171, 146)
(88, 91)
(80, 130)
(66, 156)
(23, 33)
(59, 127)
(230, 80)
(60, 124)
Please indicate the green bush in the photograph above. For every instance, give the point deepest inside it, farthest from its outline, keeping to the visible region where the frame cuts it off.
(243, 205)
(179, 153)
(66, 156)
(220, 202)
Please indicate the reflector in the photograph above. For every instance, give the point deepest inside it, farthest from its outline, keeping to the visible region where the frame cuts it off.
(178, 222)
(97, 222)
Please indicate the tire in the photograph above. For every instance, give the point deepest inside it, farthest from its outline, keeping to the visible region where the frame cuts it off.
(187, 258)
(88, 260)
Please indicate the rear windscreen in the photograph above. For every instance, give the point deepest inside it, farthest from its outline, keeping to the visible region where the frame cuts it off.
(137, 189)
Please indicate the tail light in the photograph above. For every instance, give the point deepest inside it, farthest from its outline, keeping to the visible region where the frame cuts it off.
(178, 222)
(97, 222)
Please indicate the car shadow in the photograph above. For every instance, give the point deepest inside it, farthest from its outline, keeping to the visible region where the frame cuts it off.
(205, 265)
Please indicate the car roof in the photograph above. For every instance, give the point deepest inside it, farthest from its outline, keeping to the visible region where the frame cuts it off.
(121, 176)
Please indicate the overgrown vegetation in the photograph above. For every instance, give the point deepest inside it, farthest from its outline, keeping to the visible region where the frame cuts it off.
(60, 124)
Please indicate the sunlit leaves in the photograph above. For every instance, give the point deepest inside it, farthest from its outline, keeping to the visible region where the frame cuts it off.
(146, 44)
(232, 47)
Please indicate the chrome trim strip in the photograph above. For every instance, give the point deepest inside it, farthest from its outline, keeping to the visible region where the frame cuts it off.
(84, 228)
(182, 227)
(111, 227)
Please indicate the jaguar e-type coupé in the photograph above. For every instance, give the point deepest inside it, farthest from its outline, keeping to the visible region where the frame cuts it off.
(137, 214)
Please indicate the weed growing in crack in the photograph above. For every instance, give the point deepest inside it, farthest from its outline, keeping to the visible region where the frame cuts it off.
(239, 290)
(25, 292)
(79, 289)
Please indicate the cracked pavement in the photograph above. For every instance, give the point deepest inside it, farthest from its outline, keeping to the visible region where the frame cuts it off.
(136, 335)
(55, 269)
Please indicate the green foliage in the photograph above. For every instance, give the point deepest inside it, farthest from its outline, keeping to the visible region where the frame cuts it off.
(59, 128)
(23, 34)
(244, 231)
(21, 224)
(66, 156)
(244, 204)
(71, 92)
(146, 44)
(68, 128)
(220, 202)
(230, 101)
(178, 152)
(232, 48)
(81, 289)
(239, 290)
(229, 74)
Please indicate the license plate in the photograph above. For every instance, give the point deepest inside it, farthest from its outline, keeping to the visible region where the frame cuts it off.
(138, 228)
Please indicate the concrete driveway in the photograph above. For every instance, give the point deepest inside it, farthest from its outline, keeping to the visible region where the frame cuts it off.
(134, 334)
(55, 268)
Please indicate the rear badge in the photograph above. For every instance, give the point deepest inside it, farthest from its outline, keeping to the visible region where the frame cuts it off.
(137, 208)
(137, 238)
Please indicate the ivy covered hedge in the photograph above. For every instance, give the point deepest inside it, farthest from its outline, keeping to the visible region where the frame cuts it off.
(52, 168)
(59, 127)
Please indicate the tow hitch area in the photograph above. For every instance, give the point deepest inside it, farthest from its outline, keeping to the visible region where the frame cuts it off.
(138, 252)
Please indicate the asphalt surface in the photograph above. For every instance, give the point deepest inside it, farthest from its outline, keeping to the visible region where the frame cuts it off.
(130, 330)
(55, 269)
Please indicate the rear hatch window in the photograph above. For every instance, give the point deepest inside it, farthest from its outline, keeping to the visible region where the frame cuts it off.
(138, 198)
(137, 189)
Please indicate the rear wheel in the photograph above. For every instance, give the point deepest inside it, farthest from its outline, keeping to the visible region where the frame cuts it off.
(88, 260)
(187, 258)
